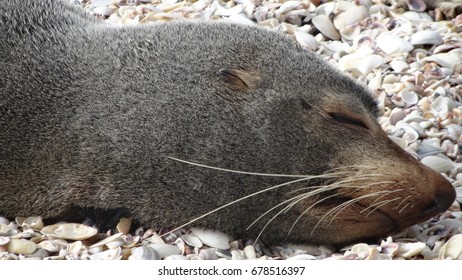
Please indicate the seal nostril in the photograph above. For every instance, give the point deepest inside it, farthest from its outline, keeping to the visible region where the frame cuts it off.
(442, 201)
(432, 207)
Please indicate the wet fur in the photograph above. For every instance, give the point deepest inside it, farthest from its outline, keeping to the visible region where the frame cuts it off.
(90, 115)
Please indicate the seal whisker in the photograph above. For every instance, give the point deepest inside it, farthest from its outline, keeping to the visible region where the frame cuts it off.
(324, 175)
(406, 198)
(378, 198)
(404, 207)
(382, 203)
(342, 206)
(238, 200)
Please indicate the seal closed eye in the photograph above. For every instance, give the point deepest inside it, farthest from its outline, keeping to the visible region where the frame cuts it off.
(273, 137)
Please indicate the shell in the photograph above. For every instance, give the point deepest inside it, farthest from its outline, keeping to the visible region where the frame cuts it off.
(207, 254)
(302, 257)
(306, 40)
(392, 44)
(144, 253)
(69, 231)
(286, 6)
(49, 245)
(104, 11)
(4, 229)
(351, 16)
(35, 222)
(176, 258)
(409, 97)
(75, 247)
(449, 60)
(4, 221)
(439, 164)
(425, 150)
(124, 225)
(326, 27)
(21, 246)
(370, 63)
(225, 254)
(111, 242)
(408, 250)
(426, 37)
(416, 5)
(111, 254)
(192, 240)
(399, 65)
(249, 252)
(215, 239)
(4, 240)
(452, 249)
(237, 255)
(440, 107)
(164, 250)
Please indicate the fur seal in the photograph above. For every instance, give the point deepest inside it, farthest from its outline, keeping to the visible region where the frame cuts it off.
(93, 117)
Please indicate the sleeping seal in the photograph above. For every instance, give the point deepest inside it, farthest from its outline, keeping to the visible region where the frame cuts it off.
(96, 117)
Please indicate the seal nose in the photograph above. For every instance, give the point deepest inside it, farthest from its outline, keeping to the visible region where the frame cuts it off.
(443, 198)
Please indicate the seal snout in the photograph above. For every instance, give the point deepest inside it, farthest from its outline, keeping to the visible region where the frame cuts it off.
(443, 198)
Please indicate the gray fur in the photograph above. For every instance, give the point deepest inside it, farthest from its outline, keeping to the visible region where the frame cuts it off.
(89, 114)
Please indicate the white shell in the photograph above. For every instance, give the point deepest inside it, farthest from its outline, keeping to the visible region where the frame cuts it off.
(69, 231)
(75, 247)
(426, 37)
(111, 254)
(399, 65)
(438, 164)
(103, 10)
(452, 249)
(4, 221)
(351, 16)
(287, 6)
(306, 40)
(409, 97)
(35, 222)
(164, 250)
(326, 27)
(176, 258)
(408, 250)
(144, 253)
(21, 246)
(192, 240)
(4, 229)
(49, 245)
(392, 44)
(249, 252)
(302, 257)
(237, 255)
(4, 240)
(448, 60)
(370, 63)
(111, 242)
(212, 238)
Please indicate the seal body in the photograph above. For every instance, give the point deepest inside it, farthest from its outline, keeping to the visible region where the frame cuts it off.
(92, 117)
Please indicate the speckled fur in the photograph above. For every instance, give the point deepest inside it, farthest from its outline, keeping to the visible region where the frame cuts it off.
(89, 112)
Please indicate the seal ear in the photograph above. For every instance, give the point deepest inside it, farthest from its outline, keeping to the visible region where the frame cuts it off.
(239, 80)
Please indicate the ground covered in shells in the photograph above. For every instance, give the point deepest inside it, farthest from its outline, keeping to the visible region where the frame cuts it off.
(408, 53)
